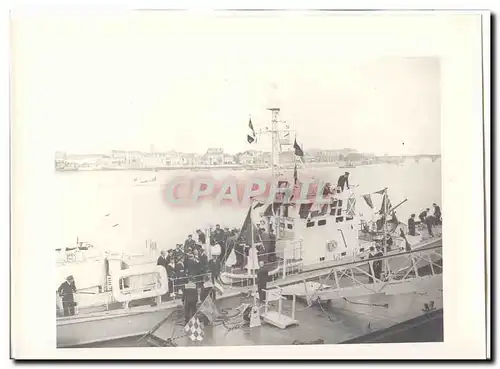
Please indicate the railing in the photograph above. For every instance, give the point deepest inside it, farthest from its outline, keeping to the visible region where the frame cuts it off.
(377, 274)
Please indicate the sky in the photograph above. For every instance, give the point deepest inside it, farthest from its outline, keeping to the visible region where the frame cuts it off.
(188, 83)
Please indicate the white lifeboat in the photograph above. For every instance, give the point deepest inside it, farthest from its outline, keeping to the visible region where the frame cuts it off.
(139, 282)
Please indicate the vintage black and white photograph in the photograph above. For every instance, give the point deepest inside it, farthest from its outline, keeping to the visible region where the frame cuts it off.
(241, 179)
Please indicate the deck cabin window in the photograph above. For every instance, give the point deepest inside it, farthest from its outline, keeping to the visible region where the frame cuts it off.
(309, 224)
(321, 222)
(289, 226)
(339, 219)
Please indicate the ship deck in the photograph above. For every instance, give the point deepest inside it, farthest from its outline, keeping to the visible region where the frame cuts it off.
(338, 322)
(334, 322)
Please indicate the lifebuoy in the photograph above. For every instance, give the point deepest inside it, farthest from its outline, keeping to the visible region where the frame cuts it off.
(331, 245)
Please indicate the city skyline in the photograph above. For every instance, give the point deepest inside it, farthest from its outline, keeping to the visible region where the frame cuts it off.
(306, 151)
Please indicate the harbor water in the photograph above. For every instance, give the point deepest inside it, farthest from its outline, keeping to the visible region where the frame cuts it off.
(113, 210)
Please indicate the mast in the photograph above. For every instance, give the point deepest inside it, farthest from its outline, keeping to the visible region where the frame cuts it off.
(274, 140)
(253, 253)
(386, 200)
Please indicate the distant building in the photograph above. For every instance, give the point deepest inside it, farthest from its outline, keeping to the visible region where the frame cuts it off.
(245, 158)
(214, 156)
(329, 156)
(229, 159)
(190, 159)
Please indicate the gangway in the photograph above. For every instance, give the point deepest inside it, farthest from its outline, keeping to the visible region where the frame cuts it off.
(276, 317)
(401, 273)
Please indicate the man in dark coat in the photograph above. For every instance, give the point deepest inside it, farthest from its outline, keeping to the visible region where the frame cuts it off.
(190, 299)
(377, 264)
(66, 290)
(180, 276)
(162, 259)
(214, 268)
(171, 277)
(178, 253)
(411, 225)
(189, 243)
(202, 238)
(203, 257)
(437, 213)
(429, 221)
(343, 181)
(262, 279)
(423, 215)
(218, 235)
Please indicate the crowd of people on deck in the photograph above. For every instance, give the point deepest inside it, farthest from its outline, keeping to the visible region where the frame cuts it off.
(190, 262)
(191, 273)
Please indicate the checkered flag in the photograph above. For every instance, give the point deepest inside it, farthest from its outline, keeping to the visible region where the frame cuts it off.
(195, 329)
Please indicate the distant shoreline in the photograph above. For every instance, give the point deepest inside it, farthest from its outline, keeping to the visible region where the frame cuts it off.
(210, 168)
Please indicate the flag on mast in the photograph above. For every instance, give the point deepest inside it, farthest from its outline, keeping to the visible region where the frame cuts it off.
(209, 309)
(351, 203)
(386, 204)
(251, 137)
(246, 229)
(368, 200)
(298, 149)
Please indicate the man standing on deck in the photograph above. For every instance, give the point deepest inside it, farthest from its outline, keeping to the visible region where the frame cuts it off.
(178, 253)
(437, 213)
(66, 292)
(180, 276)
(218, 235)
(377, 264)
(411, 225)
(423, 215)
(343, 181)
(262, 279)
(171, 277)
(202, 238)
(202, 256)
(190, 243)
(429, 221)
(190, 299)
(162, 261)
(214, 268)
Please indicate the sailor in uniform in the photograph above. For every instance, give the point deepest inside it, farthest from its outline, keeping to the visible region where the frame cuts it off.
(190, 299)
(66, 291)
(411, 225)
(343, 181)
